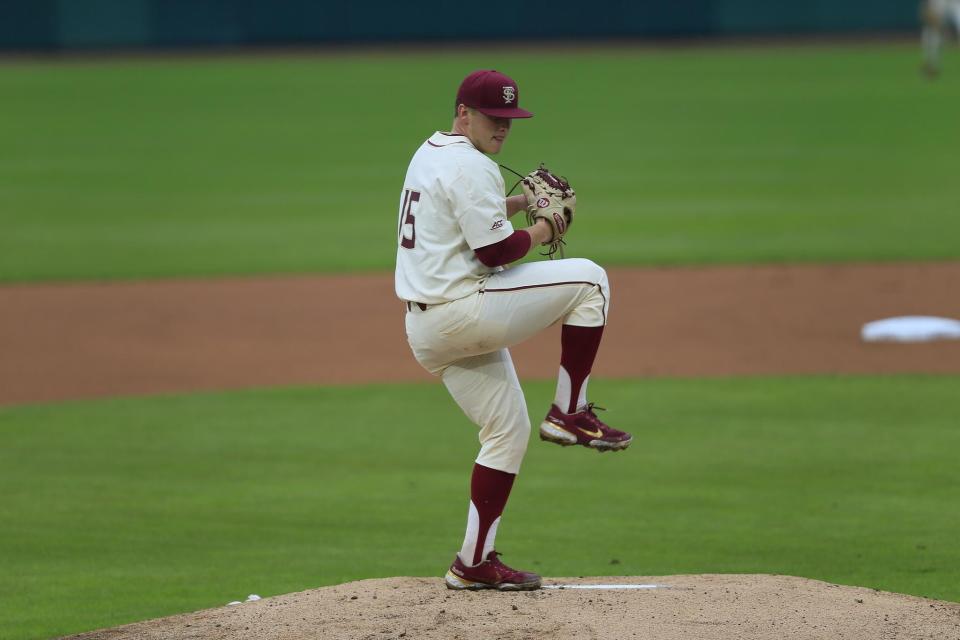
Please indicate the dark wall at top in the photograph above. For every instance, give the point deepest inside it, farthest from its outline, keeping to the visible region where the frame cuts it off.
(79, 24)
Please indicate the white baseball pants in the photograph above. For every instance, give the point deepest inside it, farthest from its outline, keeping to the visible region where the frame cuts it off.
(465, 341)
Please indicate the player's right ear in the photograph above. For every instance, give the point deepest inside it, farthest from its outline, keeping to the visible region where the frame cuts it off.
(461, 123)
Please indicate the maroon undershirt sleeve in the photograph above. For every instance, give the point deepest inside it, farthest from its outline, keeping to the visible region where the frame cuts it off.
(506, 251)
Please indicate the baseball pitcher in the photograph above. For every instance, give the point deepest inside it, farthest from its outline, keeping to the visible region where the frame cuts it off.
(465, 309)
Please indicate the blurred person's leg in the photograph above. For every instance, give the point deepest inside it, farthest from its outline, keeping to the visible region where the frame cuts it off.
(931, 38)
(953, 17)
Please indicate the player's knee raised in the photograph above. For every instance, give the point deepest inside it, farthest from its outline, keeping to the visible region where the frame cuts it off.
(592, 272)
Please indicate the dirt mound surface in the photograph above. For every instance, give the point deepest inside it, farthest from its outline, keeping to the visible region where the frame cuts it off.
(704, 607)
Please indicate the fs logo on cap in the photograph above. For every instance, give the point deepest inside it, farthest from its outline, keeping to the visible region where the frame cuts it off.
(509, 94)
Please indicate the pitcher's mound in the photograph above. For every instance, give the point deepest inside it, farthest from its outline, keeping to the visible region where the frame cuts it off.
(677, 607)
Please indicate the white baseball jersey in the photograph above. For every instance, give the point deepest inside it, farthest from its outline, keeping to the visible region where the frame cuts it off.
(452, 203)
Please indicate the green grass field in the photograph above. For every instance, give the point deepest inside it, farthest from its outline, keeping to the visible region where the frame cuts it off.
(121, 510)
(151, 168)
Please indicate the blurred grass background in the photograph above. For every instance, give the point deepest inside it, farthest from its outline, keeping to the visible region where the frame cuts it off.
(128, 509)
(187, 167)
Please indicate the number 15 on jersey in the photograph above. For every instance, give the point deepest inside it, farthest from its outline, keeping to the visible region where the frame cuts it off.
(408, 230)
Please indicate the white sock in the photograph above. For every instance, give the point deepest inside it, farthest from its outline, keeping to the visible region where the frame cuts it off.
(562, 398)
(491, 534)
(470, 539)
(473, 532)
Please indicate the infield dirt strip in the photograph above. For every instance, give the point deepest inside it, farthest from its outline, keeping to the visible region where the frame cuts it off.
(84, 340)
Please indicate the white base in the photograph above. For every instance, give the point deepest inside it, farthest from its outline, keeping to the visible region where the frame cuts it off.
(911, 329)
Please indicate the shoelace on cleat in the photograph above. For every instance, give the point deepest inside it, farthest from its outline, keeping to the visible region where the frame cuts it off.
(592, 417)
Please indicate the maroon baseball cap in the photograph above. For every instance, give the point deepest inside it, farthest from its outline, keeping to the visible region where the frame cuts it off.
(492, 93)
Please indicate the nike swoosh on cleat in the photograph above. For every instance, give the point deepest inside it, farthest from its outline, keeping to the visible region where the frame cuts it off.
(592, 434)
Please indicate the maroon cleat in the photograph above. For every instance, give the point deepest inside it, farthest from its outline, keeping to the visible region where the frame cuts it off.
(490, 574)
(584, 428)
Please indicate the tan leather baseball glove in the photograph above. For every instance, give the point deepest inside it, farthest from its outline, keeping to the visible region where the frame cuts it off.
(550, 197)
